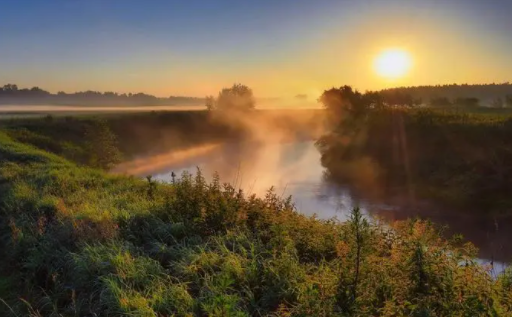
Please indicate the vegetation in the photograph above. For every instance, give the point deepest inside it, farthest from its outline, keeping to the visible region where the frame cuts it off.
(487, 94)
(238, 98)
(76, 241)
(101, 145)
(11, 94)
(457, 157)
(148, 133)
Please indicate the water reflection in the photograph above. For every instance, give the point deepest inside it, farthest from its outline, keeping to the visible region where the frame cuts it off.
(295, 169)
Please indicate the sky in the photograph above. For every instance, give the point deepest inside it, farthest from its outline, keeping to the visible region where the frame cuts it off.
(278, 48)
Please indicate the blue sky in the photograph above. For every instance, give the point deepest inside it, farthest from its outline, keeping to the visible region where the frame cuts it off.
(277, 47)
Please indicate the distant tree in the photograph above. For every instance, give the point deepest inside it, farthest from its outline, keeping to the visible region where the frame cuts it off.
(10, 89)
(101, 145)
(454, 91)
(10, 93)
(301, 97)
(237, 98)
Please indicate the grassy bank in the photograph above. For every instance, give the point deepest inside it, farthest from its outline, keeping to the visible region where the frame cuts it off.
(153, 132)
(76, 241)
(457, 158)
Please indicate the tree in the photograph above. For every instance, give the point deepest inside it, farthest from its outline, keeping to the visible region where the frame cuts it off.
(210, 103)
(101, 145)
(237, 98)
(10, 88)
(345, 100)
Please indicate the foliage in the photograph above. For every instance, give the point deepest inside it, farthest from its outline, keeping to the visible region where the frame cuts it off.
(75, 241)
(236, 98)
(346, 102)
(101, 145)
(456, 157)
(483, 92)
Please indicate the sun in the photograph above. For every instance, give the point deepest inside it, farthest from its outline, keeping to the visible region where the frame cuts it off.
(392, 63)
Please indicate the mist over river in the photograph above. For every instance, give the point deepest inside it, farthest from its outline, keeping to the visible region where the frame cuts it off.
(294, 168)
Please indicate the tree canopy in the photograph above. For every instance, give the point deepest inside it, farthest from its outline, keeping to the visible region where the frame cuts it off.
(236, 98)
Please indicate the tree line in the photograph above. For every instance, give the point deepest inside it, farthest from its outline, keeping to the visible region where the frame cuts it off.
(12, 94)
(408, 97)
(456, 157)
(240, 96)
(490, 95)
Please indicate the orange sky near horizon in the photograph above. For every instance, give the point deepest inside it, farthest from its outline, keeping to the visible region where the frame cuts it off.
(335, 45)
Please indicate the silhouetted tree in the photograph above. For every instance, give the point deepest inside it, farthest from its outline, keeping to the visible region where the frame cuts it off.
(210, 103)
(237, 98)
(347, 101)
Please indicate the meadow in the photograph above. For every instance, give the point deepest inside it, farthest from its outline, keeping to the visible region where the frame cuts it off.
(78, 241)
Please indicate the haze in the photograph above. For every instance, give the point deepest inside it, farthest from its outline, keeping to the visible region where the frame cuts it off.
(278, 48)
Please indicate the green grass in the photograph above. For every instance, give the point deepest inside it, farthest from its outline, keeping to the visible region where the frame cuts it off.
(76, 242)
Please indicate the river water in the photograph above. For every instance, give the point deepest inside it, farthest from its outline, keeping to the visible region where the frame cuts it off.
(294, 169)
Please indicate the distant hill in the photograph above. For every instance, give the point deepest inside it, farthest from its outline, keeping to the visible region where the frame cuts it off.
(10, 94)
(486, 93)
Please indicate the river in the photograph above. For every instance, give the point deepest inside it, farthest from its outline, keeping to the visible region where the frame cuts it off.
(294, 169)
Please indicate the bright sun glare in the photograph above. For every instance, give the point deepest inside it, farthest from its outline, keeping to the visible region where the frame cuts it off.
(392, 63)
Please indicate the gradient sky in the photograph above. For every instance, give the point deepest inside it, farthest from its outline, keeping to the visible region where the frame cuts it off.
(279, 48)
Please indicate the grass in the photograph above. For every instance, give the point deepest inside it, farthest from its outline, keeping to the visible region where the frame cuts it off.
(76, 241)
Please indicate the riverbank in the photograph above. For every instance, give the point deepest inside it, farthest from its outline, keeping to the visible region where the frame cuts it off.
(456, 158)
